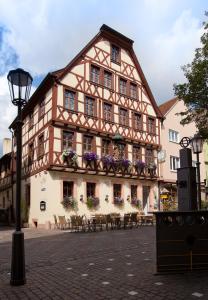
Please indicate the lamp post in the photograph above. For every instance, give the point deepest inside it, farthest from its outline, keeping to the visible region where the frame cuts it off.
(19, 85)
(197, 146)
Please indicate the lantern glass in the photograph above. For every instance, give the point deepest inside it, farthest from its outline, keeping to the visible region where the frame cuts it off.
(197, 143)
(20, 83)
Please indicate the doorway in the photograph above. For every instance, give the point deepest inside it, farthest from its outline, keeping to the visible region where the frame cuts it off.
(145, 196)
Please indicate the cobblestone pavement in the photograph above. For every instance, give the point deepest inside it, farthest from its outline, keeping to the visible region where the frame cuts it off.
(102, 265)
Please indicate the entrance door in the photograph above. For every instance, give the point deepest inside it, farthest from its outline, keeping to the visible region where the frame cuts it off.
(145, 194)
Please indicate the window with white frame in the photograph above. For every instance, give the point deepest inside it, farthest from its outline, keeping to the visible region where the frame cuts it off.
(173, 136)
(174, 163)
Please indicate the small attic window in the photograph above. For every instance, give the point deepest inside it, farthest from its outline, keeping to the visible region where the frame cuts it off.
(115, 54)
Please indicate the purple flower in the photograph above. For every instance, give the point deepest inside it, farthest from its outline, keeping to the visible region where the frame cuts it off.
(118, 200)
(140, 164)
(90, 156)
(125, 162)
(108, 160)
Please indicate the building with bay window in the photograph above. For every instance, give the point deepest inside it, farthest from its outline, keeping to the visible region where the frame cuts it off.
(91, 135)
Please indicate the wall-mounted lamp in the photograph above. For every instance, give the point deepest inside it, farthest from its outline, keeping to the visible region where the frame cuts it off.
(81, 198)
(106, 198)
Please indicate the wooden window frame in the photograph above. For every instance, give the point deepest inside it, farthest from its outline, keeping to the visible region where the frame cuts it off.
(140, 152)
(30, 120)
(92, 65)
(31, 157)
(93, 143)
(154, 125)
(136, 85)
(112, 79)
(112, 111)
(119, 54)
(127, 116)
(41, 111)
(109, 147)
(115, 185)
(71, 188)
(126, 80)
(69, 89)
(134, 186)
(134, 121)
(95, 106)
(148, 158)
(73, 140)
(93, 186)
(40, 155)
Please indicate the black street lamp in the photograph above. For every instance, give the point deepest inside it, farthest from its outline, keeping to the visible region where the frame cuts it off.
(197, 146)
(19, 85)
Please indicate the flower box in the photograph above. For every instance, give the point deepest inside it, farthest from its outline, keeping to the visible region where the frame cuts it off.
(90, 159)
(118, 201)
(70, 156)
(137, 203)
(69, 202)
(152, 167)
(139, 166)
(92, 202)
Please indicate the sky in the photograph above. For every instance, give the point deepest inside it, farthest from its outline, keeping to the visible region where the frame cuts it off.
(44, 35)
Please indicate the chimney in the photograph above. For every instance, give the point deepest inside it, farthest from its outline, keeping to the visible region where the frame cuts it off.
(7, 145)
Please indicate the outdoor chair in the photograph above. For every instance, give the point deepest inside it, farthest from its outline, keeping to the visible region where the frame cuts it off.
(134, 219)
(116, 220)
(62, 222)
(109, 220)
(127, 221)
(56, 224)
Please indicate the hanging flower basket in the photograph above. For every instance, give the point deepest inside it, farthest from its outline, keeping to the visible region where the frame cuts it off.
(108, 162)
(92, 202)
(125, 164)
(139, 166)
(137, 203)
(118, 201)
(69, 203)
(152, 169)
(70, 156)
(90, 159)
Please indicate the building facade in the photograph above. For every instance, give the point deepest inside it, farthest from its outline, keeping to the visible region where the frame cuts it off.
(171, 134)
(91, 135)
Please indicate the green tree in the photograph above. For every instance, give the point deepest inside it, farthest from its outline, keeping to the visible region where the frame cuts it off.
(194, 92)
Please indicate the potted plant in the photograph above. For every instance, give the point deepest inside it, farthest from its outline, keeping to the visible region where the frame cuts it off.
(92, 202)
(125, 164)
(90, 159)
(69, 203)
(139, 166)
(137, 203)
(108, 162)
(152, 168)
(118, 200)
(70, 156)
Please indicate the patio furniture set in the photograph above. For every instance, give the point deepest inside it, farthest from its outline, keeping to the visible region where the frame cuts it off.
(103, 222)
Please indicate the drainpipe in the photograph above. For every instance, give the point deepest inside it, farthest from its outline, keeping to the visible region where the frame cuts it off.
(12, 170)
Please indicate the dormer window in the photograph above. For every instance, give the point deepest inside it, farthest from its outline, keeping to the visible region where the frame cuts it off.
(115, 54)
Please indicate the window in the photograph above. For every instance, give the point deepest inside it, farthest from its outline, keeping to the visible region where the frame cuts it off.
(149, 156)
(133, 191)
(105, 147)
(119, 151)
(123, 116)
(115, 54)
(41, 108)
(108, 79)
(87, 143)
(68, 188)
(173, 136)
(69, 100)
(133, 90)
(122, 86)
(137, 121)
(68, 138)
(41, 145)
(95, 74)
(30, 153)
(107, 112)
(31, 120)
(151, 125)
(174, 163)
(90, 189)
(136, 153)
(117, 190)
(90, 106)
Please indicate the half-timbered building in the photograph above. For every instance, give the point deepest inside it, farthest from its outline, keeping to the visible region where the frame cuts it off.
(91, 134)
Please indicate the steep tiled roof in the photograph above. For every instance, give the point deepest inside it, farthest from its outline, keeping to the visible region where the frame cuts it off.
(165, 107)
